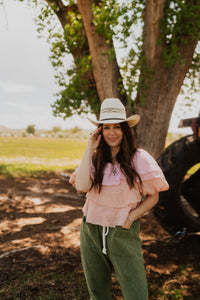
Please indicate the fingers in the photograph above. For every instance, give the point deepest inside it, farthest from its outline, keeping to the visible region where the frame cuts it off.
(96, 133)
(94, 138)
(127, 224)
(98, 130)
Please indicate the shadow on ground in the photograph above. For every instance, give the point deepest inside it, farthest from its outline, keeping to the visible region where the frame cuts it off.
(39, 246)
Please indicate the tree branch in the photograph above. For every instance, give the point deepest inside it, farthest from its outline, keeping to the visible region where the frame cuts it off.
(62, 10)
(106, 71)
(78, 51)
(154, 11)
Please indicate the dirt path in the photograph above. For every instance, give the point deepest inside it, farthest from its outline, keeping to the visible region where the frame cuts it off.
(40, 221)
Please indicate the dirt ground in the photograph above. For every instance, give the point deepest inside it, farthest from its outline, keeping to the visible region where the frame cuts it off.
(39, 230)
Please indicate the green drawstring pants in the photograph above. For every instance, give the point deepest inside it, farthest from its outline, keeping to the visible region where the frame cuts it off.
(124, 254)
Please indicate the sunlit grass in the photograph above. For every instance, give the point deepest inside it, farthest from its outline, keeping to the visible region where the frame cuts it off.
(48, 148)
(35, 156)
(193, 169)
(183, 284)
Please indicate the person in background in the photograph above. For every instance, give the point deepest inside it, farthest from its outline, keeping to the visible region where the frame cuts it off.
(122, 183)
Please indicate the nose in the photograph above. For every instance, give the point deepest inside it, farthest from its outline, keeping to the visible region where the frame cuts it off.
(112, 131)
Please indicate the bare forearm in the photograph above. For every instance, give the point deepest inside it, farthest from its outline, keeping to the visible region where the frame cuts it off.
(145, 206)
(83, 180)
(83, 176)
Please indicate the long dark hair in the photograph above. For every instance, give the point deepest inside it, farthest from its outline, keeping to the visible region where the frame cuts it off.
(124, 157)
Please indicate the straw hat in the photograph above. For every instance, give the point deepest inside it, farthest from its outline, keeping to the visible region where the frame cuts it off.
(113, 111)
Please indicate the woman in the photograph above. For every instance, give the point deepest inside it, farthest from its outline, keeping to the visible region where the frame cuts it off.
(122, 184)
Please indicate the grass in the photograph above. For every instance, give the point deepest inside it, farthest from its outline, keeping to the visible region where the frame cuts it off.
(41, 286)
(34, 156)
(182, 285)
(193, 169)
(57, 284)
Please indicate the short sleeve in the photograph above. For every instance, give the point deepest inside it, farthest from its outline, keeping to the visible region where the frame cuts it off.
(73, 176)
(150, 173)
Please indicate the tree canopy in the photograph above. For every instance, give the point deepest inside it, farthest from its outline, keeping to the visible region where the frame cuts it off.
(30, 129)
(139, 51)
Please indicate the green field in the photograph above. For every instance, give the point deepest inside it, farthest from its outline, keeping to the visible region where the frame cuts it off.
(31, 156)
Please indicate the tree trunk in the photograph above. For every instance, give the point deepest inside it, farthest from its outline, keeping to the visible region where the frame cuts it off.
(159, 103)
(160, 84)
(106, 71)
(62, 12)
(155, 103)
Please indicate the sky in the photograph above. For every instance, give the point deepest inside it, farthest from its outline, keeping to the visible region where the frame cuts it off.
(27, 84)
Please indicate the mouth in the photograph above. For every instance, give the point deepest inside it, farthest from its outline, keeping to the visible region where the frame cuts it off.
(113, 139)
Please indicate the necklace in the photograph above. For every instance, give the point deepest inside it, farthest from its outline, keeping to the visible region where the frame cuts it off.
(114, 171)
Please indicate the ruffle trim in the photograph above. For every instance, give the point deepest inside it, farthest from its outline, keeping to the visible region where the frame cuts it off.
(154, 185)
(108, 216)
(151, 174)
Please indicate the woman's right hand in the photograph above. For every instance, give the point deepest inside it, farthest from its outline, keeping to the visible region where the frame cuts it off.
(94, 139)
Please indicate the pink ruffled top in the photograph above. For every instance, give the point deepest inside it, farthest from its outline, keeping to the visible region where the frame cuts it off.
(111, 206)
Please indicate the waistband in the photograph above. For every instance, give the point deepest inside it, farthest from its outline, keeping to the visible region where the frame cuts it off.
(105, 230)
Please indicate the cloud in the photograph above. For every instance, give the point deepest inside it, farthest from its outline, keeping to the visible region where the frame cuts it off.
(14, 87)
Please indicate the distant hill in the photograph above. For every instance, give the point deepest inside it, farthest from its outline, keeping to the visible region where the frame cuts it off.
(4, 129)
(67, 133)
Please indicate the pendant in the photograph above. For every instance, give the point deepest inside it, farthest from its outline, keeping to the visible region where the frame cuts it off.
(114, 171)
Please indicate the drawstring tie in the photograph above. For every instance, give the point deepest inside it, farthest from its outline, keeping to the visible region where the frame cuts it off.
(104, 234)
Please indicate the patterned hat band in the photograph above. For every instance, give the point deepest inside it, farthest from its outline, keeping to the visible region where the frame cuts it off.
(113, 111)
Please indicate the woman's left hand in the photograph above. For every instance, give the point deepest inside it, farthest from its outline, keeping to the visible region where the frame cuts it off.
(149, 202)
(127, 224)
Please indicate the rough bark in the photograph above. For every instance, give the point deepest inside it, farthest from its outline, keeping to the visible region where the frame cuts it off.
(154, 11)
(163, 84)
(106, 72)
(156, 112)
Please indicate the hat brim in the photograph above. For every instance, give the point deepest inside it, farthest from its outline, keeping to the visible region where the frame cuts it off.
(132, 121)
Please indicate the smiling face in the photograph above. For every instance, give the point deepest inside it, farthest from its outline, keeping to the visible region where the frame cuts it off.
(113, 135)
